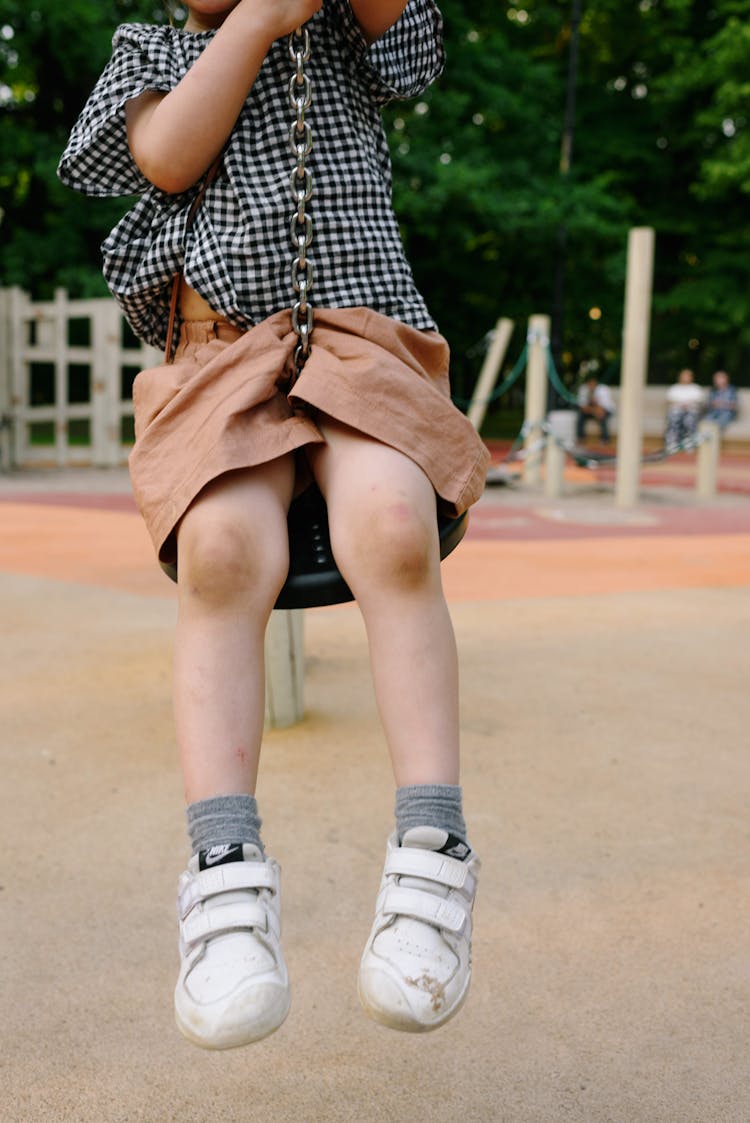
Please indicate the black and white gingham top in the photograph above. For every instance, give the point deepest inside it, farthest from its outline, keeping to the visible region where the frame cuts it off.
(238, 253)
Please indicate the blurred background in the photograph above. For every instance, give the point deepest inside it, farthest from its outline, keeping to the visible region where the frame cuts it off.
(557, 126)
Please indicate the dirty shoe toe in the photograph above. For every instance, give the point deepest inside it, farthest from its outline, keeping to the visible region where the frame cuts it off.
(416, 967)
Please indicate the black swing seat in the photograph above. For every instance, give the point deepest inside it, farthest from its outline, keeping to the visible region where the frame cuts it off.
(314, 579)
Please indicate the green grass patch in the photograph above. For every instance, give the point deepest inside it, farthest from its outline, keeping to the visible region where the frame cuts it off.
(42, 433)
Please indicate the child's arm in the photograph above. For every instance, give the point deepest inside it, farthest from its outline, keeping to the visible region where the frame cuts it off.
(376, 16)
(174, 137)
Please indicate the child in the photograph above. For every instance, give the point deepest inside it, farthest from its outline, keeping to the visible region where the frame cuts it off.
(225, 435)
(684, 404)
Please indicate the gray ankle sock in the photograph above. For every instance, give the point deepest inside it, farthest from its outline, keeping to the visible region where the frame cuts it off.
(223, 819)
(430, 805)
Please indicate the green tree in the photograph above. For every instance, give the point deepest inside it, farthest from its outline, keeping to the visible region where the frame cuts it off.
(661, 139)
(50, 57)
(478, 184)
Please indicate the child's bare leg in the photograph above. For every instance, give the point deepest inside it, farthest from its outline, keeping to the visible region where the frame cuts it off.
(233, 560)
(383, 525)
(415, 970)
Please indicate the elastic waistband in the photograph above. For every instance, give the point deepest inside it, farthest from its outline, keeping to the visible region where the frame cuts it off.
(203, 331)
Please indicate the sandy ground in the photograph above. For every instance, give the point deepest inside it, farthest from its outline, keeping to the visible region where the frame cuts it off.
(605, 664)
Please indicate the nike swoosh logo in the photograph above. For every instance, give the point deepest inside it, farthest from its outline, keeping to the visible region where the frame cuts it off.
(218, 854)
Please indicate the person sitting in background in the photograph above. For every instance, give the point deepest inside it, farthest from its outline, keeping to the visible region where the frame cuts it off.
(595, 403)
(722, 405)
(684, 403)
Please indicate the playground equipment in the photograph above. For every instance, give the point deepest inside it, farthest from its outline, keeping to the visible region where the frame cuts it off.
(544, 437)
(635, 340)
(483, 393)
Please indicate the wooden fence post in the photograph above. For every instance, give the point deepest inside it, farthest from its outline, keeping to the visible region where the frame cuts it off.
(536, 394)
(19, 389)
(635, 344)
(707, 466)
(554, 468)
(105, 382)
(489, 372)
(59, 334)
(6, 420)
(5, 350)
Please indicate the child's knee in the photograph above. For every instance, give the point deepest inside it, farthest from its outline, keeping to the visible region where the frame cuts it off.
(394, 547)
(221, 561)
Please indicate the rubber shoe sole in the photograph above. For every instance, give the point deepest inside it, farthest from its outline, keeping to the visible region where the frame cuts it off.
(249, 1016)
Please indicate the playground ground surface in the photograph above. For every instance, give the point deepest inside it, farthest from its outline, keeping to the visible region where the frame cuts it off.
(605, 717)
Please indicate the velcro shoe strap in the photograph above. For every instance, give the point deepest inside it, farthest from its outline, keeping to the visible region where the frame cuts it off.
(224, 918)
(419, 905)
(408, 861)
(227, 879)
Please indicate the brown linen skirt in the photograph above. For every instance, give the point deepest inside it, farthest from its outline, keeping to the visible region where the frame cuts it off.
(227, 402)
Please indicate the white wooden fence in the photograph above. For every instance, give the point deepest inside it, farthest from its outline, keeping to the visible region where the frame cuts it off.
(66, 372)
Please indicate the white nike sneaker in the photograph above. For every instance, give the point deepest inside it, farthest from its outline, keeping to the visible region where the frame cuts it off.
(233, 986)
(416, 967)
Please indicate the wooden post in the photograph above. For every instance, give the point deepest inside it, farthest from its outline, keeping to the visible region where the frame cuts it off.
(536, 393)
(489, 372)
(6, 422)
(19, 390)
(5, 350)
(635, 345)
(285, 669)
(554, 468)
(106, 373)
(102, 370)
(59, 335)
(707, 474)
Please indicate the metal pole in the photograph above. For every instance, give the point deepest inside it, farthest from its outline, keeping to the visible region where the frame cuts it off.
(285, 669)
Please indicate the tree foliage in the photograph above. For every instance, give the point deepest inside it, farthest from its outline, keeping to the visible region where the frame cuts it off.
(662, 138)
(50, 57)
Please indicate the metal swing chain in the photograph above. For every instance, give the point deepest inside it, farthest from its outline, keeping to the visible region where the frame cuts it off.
(300, 140)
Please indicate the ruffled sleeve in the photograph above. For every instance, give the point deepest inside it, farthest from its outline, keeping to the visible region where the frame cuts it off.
(97, 159)
(404, 61)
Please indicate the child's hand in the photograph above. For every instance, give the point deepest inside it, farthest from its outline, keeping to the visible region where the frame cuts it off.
(278, 17)
(205, 104)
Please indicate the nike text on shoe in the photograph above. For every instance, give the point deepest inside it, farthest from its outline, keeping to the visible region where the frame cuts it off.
(416, 967)
(233, 987)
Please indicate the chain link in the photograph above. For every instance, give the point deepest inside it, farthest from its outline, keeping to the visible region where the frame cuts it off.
(301, 227)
